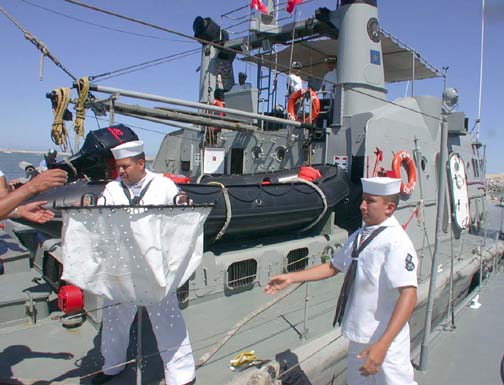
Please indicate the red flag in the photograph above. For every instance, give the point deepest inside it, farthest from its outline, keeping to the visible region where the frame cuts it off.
(291, 4)
(258, 5)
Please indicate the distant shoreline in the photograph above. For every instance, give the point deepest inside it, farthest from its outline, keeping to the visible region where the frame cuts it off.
(34, 152)
(38, 152)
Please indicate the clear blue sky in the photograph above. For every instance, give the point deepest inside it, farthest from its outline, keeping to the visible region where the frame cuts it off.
(445, 32)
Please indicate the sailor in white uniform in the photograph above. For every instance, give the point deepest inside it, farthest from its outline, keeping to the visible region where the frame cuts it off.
(382, 296)
(294, 81)
(136, 185)
(330, 78)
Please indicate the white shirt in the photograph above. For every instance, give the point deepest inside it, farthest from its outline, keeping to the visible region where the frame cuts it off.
(387, 263)
(160, 192)
(239, 87)
(329, 83)
(294, 83)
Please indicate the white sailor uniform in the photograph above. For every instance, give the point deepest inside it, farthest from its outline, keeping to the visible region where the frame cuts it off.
(386, 264)
(329, 84)
(166, 319)
(294, 83)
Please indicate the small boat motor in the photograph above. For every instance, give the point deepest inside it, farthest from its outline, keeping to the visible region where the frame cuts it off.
(95, 159)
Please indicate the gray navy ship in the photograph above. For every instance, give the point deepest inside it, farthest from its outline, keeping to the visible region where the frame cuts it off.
(283, 177)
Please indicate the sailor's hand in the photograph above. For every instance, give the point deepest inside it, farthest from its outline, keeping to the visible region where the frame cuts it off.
(35, 212)
(47, 180)
(277, 283)
(183, 199)
(373, 357)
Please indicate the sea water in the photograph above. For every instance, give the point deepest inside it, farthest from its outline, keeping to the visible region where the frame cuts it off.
(9, 163)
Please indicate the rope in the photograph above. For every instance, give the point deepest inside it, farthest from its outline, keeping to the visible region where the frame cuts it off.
(225, 193)
(322, 195)
(59, 132)
(83, 90)
(37, 43)
(214, 349)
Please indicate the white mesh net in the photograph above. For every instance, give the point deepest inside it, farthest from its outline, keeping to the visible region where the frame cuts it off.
(136, 255)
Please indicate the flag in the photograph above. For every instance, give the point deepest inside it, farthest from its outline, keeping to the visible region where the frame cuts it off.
(258, 5)
(291, 4)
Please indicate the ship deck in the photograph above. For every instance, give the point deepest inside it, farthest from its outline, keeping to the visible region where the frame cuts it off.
(472, 352)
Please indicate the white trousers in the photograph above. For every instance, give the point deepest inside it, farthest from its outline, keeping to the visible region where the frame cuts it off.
(396, 368)
(170, 331)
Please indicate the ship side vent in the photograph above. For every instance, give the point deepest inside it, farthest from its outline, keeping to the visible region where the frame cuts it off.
(241, 274)
(297, 259)
(183, 295)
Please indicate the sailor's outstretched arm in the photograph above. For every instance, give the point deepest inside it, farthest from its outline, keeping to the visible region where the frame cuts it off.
(316, 273)
(42, 182)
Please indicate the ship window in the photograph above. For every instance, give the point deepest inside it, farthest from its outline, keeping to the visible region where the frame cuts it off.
(185, 165)
(297, 259)
(423, 163)
(240, 274)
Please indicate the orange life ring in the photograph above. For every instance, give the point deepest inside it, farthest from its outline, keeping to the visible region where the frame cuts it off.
(402, 158)
(315, 105)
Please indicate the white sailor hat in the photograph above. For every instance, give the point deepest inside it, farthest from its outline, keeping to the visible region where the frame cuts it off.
(128, 150)
(26, 166)
(381, 186)
(330, 59)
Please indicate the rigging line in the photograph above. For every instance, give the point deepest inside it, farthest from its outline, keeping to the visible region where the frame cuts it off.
(37, 43)
(234, 10)
(481, 67)
(160, 60)
(132, 125)
(100, 25)
(202, 41)
(168, 30)
(147, 24)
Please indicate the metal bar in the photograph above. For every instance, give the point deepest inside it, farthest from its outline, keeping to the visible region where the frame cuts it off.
(186, 103)
(424, 354)
(413, 54)
(305, 321)
(139, 347)
(181, 117)
(161, 121)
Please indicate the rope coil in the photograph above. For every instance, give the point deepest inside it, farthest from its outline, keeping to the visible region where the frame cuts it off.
(59, 132)
(80, 115)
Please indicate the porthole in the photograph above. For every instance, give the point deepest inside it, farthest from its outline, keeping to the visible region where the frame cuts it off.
(423, 163)
(280, 152)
